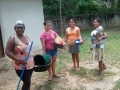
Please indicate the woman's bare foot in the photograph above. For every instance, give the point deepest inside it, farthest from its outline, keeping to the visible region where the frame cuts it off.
(104, 67)
(73, 67)
(54, 75)
(77, 69)
(49, 78)
(98, 72)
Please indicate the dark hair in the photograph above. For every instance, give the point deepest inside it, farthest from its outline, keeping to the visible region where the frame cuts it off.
(72, 20)
(98, 20)
(45, 23)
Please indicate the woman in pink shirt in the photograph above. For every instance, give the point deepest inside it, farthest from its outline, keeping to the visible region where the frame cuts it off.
(47, 38)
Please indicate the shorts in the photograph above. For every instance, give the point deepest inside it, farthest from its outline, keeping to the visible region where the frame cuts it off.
(98, 53)
(74, 49)
(52, 53)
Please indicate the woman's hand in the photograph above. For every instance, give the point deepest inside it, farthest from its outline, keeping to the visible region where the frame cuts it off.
(22, 61)
(99, 39)
(103, 36)
(81, 41)
(91, 48)
(64, 47)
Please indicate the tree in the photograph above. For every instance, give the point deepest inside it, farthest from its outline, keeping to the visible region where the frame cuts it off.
(112, 4)
(118, 4)
(78, 7)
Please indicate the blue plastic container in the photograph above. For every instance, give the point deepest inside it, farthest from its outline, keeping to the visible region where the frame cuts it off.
(77, 42)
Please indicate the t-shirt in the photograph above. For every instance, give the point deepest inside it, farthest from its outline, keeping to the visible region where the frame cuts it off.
(49, 39)
(72, 35)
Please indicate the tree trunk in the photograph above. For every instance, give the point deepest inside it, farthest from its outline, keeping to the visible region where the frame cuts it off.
(61, 18)
(112, 4)
(118, 4)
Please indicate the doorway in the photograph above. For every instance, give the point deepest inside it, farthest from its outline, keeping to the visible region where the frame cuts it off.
(1, 45)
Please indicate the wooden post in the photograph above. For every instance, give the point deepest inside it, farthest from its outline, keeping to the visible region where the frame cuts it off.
(61, 23)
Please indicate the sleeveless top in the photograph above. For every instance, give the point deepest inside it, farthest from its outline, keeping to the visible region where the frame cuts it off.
(72, 35)
(21, 51)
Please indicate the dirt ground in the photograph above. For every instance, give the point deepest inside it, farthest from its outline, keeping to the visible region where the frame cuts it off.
(9, 80)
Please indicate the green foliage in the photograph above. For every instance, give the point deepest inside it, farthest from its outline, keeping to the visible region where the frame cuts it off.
(51, 7)
(78, 7)
(117, 85)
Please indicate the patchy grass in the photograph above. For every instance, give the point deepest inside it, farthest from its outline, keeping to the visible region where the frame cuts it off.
(112, 47)
(111, 54)
(117, 85)
(90, 74)
(97, 89)
(53, 85)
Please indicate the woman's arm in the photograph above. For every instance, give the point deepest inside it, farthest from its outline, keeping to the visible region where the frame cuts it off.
(43, 45)
(103, 36)
(10, 48)
(79, 35)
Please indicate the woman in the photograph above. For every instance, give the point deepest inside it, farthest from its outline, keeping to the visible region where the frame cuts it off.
(73, 33)
(17, 48)
(47, 39)
(98, 49)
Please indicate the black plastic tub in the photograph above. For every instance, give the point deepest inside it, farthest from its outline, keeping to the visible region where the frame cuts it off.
(58, 46)
(42, 63)
(41, 68)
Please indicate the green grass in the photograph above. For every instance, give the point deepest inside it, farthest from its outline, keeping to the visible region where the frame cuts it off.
(97, 89)
(111, 54)
(112, 47)
(117, 85)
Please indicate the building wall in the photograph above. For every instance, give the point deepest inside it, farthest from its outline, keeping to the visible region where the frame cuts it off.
(30, 11)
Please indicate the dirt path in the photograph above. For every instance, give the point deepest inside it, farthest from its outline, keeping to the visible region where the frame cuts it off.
(107, 83)
(9, 80)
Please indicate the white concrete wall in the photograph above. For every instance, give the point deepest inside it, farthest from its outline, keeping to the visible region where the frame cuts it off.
(30, 11)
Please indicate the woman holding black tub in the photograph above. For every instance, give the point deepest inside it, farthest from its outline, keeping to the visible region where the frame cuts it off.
(47, 39)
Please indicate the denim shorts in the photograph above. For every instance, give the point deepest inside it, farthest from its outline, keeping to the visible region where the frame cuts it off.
(52, 53)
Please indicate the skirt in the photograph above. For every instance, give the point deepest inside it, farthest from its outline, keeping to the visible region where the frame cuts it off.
(74, 49)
